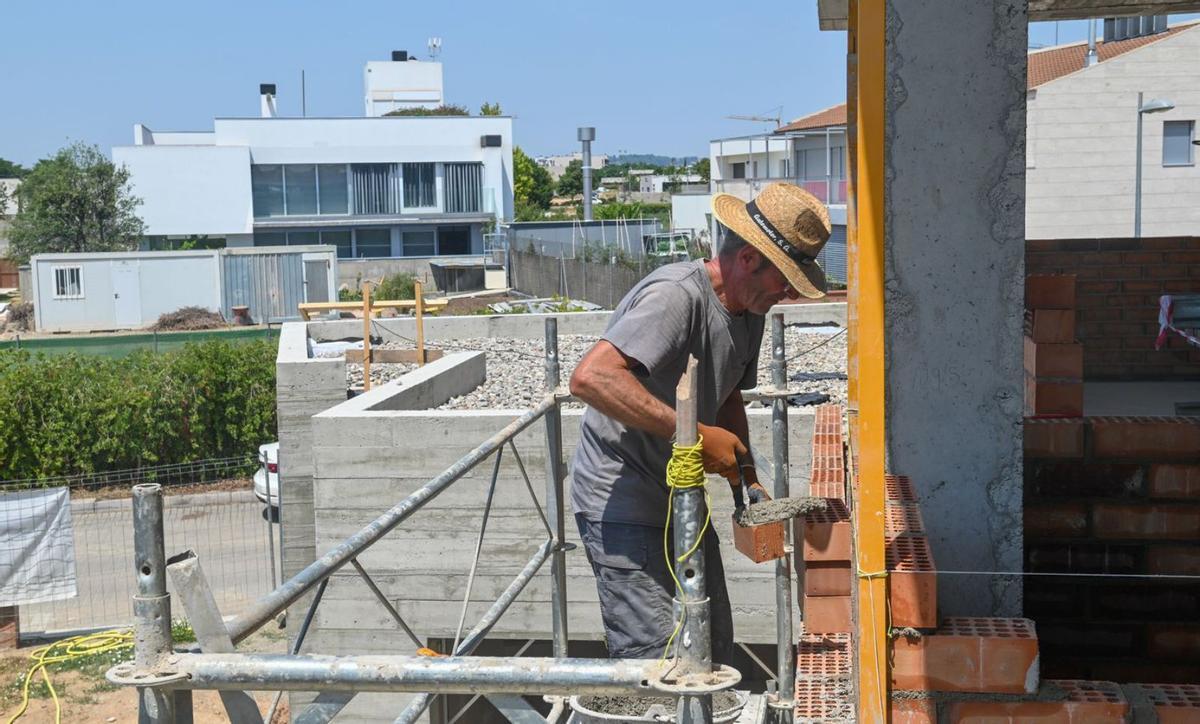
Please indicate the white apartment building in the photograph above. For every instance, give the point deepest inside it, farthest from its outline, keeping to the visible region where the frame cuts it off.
(375, 187)
(557, 165)
(1081, 138)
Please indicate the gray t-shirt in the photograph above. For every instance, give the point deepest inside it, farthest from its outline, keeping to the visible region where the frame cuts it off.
(619, 472)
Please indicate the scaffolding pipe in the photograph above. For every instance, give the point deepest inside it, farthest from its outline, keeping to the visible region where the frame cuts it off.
(266, 607)
(152, 605)
(554, 494)
(782, 707)
(693, 652)
(442, 675)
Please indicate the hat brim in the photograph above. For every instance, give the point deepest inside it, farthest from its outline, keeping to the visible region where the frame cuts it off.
(807, 279)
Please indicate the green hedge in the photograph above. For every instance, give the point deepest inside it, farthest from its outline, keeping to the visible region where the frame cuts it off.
(71, 414)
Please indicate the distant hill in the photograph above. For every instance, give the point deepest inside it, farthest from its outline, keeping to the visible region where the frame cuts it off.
(651, 159)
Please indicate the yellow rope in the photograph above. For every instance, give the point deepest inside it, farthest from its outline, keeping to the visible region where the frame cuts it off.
(685, 470)
(66, 650)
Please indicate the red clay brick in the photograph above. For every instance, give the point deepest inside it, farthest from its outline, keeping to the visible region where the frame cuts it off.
(1046, 359)
(1066, 519)
(1157, 439)
(983, 655)
(899, 489)
(826, 534)
(1054, 438)
(1051, 325)
(10, 628)
(901, 518)
(1053, 397)
(759, 543)
(1174, 703)
(827, 614)
(1050, 291)
(1181, 560)
(1179, 642)
(912, 589)
(827, 579)
(1175, 481)
(1088, 702)
(1146, 521)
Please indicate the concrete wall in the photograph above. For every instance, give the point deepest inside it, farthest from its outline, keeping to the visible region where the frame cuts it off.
(691, 211)
(366, 460)
(190, 189)
(954, 221)
(1082, 145)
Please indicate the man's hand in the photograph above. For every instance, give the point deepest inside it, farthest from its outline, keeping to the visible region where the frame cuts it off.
(721, 451)
(756, 493)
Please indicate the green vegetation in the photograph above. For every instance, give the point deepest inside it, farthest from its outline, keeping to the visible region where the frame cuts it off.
(490, 109)
(532, 187)
(448, 109)
(9, 169)
(72, 414)
(76, 201)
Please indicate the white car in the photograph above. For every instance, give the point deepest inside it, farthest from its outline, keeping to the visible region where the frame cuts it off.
(266, 478)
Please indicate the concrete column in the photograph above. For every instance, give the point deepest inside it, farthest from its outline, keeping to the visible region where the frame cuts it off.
(954, 276)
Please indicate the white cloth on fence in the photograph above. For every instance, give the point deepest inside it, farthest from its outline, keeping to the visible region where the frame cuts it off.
(37, 548)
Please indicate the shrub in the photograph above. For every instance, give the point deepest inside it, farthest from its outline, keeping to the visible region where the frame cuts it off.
(20, 316)
(66, 415)
(395, 287)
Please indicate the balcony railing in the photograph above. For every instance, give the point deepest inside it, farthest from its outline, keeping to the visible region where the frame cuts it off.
(830, 192)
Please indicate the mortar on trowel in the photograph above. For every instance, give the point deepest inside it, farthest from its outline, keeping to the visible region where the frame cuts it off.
(759, 528)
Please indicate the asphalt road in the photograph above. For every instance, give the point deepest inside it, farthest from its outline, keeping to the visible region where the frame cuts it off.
(227, 530)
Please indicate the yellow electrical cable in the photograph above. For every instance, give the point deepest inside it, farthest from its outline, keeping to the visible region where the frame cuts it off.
(685, 470)
(66, 650)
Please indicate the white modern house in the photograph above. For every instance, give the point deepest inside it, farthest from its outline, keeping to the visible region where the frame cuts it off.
(1081, 138)
(1082, 134)
(393, 190)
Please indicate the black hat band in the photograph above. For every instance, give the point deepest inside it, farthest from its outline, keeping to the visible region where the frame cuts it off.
(793, 252)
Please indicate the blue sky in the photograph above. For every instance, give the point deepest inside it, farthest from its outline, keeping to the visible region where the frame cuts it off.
(652, 77)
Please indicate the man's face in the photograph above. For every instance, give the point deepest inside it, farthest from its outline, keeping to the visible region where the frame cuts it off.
(766, 286)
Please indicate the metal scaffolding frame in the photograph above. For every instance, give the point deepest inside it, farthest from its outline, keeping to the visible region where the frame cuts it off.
(165, 677)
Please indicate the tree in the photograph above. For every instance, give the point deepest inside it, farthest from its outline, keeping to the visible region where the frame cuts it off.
(490, 109)
(571, 182)
(702, 167)
(532, 186)
(10, 169)
(76, 201)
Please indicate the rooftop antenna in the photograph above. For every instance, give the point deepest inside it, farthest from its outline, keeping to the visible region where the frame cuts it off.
(777, 119)
(435, 47)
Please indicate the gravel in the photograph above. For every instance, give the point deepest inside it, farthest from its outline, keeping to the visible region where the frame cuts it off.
(516, 367)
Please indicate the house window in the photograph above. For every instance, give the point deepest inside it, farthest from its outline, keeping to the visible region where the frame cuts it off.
(454, 240)
(373, 242)
(302, 238)
(464, 187)
(333, 192)
(420, 190)
(68, 282)
(738, 170)
(1177, 142)
(270, 238)
(420, 243)
(340, 239)
(785, 167)
(266, 183)
(300, 190)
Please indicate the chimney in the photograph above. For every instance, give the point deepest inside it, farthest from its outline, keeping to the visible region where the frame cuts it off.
(399, 56)
(266, 93)
(1091, 58)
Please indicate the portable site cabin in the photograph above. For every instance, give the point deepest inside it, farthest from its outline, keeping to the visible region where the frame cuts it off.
(127, 290)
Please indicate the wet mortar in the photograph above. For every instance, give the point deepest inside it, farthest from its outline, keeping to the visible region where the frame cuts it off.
(638, 706)
(770, 511)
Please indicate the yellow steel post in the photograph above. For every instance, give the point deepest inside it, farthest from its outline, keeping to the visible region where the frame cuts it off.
(366, 300)
(420, 314)
(869, 96)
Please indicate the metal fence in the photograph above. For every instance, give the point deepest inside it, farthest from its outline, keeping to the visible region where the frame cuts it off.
(209, 507)
(120, 345)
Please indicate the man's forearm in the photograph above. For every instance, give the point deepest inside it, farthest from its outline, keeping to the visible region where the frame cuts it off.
(618, 394)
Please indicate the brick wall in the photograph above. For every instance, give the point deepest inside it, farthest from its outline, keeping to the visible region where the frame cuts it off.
(1119, 283)
(1114, 495)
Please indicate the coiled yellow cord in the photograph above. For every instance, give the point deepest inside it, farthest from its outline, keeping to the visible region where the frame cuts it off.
(685, 470)
(66, 650)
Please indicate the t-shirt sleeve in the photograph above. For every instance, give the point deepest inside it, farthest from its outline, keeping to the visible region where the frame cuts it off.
(656, 326)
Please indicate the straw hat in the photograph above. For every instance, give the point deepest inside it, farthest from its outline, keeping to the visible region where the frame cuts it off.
(788, 225)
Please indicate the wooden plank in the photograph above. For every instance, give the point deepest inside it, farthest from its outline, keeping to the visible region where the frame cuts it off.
(384, 356)
(429, 305)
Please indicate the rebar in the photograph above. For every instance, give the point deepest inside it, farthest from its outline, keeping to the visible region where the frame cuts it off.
(554, 494)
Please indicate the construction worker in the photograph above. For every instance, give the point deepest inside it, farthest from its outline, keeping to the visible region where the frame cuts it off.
(713, 309)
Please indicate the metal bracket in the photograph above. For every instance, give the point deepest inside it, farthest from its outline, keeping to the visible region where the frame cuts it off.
(719, 679)
(127, 674)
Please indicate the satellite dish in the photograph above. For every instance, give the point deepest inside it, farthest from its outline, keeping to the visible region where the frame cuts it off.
(435, 47)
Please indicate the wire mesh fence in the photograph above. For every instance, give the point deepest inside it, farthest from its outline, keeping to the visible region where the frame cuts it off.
(210, 507)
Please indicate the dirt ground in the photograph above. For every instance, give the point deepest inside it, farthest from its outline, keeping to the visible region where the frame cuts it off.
(86, 697)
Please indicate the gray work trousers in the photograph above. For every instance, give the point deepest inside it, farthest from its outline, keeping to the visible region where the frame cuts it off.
(637, 591)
